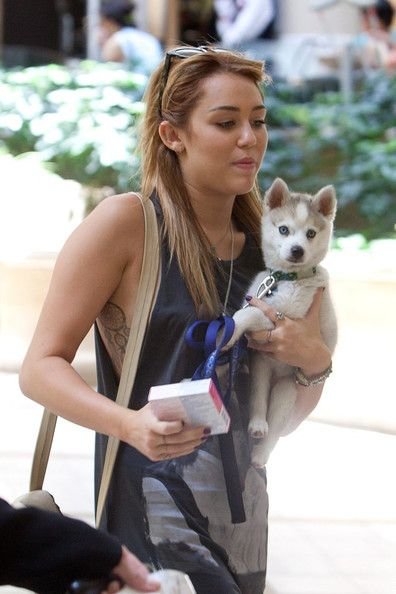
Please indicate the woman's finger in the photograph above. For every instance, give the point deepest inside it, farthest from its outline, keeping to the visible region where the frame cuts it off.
(269, 311)
(113, 587)
(185, 436)
(273, 314)
(169, 448)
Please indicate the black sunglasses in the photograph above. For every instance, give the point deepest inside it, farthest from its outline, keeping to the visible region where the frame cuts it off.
(181, 53)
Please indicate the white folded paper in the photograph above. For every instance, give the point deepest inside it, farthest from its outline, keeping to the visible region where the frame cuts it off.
(197, 403)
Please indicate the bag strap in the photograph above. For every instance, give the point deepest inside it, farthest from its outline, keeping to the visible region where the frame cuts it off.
(146, 294)
(42, 449)
(145, 299)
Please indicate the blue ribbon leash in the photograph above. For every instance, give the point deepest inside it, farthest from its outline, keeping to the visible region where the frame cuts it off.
(212, 337)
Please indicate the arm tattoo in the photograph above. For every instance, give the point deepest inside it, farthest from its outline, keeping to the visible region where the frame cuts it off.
(115, 332)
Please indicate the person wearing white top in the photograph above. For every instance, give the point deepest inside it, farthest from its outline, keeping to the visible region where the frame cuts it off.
(240, 21)
(122, 42)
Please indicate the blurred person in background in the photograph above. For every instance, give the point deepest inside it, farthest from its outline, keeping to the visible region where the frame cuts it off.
(120, 41)
(241, 21)
(377, 41)
(247, 25)
(46, 552)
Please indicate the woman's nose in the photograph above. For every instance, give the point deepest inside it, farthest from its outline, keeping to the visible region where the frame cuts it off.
(247, 136)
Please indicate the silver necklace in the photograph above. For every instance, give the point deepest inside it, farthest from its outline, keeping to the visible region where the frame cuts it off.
(214, 247)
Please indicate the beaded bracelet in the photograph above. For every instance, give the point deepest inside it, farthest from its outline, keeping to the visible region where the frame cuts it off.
(304, 380)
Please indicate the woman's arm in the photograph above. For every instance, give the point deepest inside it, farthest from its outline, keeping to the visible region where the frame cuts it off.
(298, 343)
(112, 51)
(100, 262)
(90, 270)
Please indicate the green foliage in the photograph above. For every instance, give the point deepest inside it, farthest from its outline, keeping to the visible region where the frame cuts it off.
(324, 140)
(84, 122)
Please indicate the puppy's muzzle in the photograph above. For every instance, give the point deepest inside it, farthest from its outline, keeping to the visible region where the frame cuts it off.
(296, 253)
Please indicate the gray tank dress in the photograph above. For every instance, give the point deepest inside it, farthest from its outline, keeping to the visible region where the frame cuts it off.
(206, 513)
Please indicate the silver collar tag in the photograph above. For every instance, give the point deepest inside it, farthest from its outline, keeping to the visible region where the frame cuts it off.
(264, 288)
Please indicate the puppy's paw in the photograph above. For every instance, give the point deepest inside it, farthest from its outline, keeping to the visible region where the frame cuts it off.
(233, 340)
(258, 428)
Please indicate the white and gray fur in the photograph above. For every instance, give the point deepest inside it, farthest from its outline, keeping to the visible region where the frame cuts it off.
(273, 383)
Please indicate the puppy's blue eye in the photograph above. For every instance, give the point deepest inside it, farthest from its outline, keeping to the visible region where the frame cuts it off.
(311, 233)
(283, 230)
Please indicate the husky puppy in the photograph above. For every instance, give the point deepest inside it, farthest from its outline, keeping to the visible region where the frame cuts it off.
(296, 231)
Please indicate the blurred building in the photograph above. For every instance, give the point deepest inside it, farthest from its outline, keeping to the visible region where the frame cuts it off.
(42, 31)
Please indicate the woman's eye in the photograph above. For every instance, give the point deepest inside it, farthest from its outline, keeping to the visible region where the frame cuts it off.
(283, 230)
(258, 123)
(228, 124)
(311, 233)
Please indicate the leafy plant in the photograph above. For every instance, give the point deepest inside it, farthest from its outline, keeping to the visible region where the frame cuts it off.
(84, 121)
(350, 145)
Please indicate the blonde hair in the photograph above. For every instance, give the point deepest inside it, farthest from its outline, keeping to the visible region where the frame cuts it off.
(161, 171)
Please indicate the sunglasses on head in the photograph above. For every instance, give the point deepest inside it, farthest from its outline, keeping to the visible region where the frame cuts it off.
(181, 52)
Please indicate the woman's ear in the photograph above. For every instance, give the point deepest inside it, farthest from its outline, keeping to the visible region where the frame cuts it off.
(170, 137)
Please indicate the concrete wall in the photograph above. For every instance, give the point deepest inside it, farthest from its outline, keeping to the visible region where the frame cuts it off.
(23, 287)
(297, 17)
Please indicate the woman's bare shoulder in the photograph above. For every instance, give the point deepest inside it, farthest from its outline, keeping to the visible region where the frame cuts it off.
(120, 207)
(116, 218)
(111, 51)
(104, 236)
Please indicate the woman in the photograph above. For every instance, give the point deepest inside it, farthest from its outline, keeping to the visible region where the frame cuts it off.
(121, 42)
(377, 42)
(179, 498)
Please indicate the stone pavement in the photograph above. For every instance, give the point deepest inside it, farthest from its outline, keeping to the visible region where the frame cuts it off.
(332, 491)
(332, 483)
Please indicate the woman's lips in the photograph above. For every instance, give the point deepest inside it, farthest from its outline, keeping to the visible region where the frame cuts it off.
(245, 163)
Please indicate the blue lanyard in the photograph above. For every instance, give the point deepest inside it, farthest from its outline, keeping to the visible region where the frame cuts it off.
(212, 338)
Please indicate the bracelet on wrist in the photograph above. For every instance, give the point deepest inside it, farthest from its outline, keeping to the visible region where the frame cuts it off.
(305, 380)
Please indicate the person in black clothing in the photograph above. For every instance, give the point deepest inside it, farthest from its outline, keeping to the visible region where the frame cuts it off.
(46, 552)
(180, 498)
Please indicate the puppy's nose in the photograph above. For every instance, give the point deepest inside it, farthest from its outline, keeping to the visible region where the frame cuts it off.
(297, 252)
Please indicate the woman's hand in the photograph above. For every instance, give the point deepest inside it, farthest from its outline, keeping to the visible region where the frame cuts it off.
(296, 342)
(160, 440)
(132, 573)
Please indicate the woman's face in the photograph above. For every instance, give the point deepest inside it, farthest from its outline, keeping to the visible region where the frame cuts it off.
(226, 137)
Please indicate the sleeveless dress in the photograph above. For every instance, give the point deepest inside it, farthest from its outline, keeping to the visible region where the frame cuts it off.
(181, 513)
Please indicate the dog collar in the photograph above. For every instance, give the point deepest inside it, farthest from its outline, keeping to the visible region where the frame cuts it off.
(268, 284)
(279, 275)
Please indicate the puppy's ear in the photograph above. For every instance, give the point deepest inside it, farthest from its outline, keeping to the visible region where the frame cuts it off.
(325, 202)
(277, 194)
